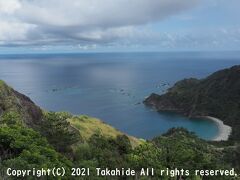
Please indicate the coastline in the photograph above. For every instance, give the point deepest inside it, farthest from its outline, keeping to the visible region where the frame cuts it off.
(224, 130)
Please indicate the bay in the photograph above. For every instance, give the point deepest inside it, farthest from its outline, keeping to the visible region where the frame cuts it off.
(112, 86)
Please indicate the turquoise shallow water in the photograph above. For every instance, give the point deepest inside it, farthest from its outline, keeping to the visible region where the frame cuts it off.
(112, 86)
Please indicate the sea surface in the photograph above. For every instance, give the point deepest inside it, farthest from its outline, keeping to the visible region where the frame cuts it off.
(112, 86)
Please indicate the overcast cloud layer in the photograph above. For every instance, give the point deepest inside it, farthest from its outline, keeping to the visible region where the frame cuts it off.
(80, 21)
(96, 23)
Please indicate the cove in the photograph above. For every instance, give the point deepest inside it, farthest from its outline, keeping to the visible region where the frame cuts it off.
(112, 86)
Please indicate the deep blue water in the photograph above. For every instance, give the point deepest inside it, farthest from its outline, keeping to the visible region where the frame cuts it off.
(111, 86)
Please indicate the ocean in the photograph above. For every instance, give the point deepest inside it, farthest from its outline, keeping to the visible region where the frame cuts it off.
(112, 86)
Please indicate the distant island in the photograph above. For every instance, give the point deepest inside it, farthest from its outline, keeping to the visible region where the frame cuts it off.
(215, 97)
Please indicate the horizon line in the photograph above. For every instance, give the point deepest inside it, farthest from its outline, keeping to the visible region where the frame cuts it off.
(119, 52)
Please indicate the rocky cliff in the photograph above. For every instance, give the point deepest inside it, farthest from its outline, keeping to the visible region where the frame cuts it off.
(13, 101)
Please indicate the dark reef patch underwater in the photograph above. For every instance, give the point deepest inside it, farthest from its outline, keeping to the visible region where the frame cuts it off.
(111, 86)
(60, 139)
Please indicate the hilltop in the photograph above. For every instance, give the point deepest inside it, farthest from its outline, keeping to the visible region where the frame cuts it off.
(24, 111)
(217, 95)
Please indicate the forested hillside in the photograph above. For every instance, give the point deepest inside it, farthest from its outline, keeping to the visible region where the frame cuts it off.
(217, 95)
(33, 138)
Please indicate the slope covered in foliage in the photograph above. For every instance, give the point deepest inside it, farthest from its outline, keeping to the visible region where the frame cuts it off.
(88, 126)
(218, 95)
(59, 139)
(13, 101)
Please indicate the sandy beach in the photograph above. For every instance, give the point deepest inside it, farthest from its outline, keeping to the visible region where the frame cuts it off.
(224, 130)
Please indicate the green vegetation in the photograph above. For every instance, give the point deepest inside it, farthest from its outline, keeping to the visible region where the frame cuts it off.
(24, 148)
(104, 152)
(89, 126)
(59, 139)
(177, 149)
(58, 131)
(217, 95)
(13, 101)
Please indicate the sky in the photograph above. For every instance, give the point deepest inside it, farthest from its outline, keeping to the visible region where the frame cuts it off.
(28, 26)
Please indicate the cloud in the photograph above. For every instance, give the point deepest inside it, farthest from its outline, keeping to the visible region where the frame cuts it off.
(14, 32)
(9, 6)
(43, 22)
